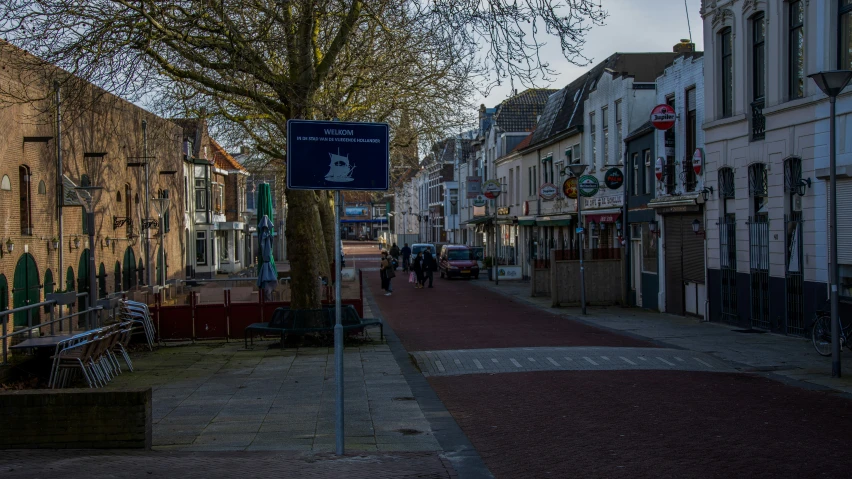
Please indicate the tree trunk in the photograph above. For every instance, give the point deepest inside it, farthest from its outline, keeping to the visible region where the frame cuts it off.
(306, 265)
(326, 212)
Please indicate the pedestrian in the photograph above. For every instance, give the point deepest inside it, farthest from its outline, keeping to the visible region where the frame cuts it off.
(406, 258)
(429, 266)
(417, 267)
(386, 273)
(394, 252)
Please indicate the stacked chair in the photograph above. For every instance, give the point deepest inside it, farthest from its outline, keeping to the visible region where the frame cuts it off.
(138, 314)
(94, 354)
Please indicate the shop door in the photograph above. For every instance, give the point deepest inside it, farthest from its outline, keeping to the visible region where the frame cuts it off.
(674, 264)
(25, 289)
(129, 269)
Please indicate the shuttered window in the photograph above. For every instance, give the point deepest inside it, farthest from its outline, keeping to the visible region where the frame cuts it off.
(844, 236)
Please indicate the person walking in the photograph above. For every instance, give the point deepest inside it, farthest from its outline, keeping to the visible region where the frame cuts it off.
(406, 258)
(394, 252)
(429, 267)
(417, 267)
(386, 273)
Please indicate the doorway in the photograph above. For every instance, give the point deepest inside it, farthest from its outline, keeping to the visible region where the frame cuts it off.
(684, 255)
(25, 290)
(636, 268)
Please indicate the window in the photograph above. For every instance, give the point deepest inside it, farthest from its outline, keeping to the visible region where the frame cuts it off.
(26, 203)
(186, 193)
(649, 172)
(577, 155)
(691, 139)
(727, 189)
(201, 248)
(619, 143)
(758, 57)
(649, 250)
(200, 195)
(796, 45)
(167, 223)
(844, 37)
(222, 246)
(670, 171)
(42, 188)
(727, 69)
(758, 187)
(605, 118)
(593, 145)
(530, 180)
(634, 188)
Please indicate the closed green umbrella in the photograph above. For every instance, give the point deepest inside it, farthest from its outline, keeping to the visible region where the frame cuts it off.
(264, 208)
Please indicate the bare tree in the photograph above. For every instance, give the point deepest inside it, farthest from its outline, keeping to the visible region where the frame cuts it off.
(257, 63)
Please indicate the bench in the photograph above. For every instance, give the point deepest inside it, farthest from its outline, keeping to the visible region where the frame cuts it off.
(285, 320)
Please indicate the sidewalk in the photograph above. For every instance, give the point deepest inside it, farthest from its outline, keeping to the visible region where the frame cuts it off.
(782, 357)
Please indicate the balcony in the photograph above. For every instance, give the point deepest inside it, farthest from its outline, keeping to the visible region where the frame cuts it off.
(758, 121)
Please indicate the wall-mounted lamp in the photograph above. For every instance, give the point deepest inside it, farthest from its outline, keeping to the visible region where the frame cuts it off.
(801, 188)
(696, 228)
(706, 191)
(54, 242)
(10, 246)
(618, 227)
(75, 243)
(603, 226)
(652, 227)
(106, 242)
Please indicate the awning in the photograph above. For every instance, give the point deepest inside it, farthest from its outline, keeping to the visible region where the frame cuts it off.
(602, 216)
(526, 220)
(506, 220)
(668, 201)
(555, 220)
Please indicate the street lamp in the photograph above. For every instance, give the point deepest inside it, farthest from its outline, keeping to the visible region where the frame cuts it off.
(161, 206)
(832, 83)
(577, 170)
(454, 200)
(88, 195)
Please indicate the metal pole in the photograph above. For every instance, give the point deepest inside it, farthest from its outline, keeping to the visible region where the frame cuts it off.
(496, 270)
(147, 203)
(835, 324)
(582, 236)
(93, 292)
(60, 192)
(338, 331)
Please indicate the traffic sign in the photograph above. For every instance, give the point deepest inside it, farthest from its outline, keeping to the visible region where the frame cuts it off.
(579, 230)
(663, 117)
(492, 189)
(336, 155)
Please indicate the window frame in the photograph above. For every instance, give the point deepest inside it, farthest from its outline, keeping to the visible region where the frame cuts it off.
(201, 238)
(649, 176)
(605, 131)
(844, 56)
(726, 87)
(758, 53)
(795, 77)
(634, 158)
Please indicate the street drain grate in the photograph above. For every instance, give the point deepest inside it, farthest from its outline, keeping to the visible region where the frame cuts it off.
(409, 432)
(404, 398)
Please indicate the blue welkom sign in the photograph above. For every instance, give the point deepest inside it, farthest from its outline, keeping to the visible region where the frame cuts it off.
(336, 155)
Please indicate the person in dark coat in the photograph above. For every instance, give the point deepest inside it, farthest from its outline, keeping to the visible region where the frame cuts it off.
(406, 258)
(429, 266)
(417, 267)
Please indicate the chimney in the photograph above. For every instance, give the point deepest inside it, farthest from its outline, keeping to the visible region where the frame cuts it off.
(685, 46)
(244, 150)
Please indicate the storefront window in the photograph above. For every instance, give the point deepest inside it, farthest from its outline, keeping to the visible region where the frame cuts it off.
(222, 246)
(649, 250)
(201, 248)
(845, 271)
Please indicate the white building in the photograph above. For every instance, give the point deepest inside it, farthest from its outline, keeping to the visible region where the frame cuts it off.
(766, 142)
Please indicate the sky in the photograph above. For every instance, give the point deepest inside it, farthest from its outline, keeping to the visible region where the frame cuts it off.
(632, 26)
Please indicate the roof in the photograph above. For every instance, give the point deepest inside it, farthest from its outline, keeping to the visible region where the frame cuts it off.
(223, 160)
(564, 110)
(643, 130)
(520, 112)
(524, 143)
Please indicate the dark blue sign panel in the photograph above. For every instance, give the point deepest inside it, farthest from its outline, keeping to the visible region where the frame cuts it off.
(335, 155)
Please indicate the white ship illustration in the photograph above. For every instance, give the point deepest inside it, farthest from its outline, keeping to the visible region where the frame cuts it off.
(339, 170)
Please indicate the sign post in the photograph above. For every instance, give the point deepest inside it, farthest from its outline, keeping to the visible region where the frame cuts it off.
(492, 189)
(358, 159)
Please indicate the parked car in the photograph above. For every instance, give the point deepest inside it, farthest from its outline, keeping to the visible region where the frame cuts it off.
(458, 261)
(418, 247)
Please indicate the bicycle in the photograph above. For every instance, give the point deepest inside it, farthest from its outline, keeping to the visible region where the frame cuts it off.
(821, 333)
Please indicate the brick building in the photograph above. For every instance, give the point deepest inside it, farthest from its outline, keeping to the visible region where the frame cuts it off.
(40, 256)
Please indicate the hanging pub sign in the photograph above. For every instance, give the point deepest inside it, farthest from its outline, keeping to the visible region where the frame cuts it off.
(698, 160)
(479, 201)
(614, 178)
(547, 191)
(588, 185)
(492, 189)
(569, 187)
(658, 168)
(474, 186)
(663, 117)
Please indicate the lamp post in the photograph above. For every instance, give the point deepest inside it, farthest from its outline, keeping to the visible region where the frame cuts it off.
(577, 170)
(161, 206)
(88, 195)
(832, 83)
(454, 200)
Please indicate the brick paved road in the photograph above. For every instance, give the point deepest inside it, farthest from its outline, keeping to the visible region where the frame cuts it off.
(458, 315)
(186, 465)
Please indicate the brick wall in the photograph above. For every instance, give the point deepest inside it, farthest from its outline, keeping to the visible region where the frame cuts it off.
(76, 418)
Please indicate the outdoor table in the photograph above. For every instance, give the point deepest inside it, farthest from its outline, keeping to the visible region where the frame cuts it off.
(49, 341)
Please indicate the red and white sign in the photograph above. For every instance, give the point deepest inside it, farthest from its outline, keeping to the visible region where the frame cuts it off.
(658, 168)
(526, 208)
(663, 117)
(492, 189)
(548, 191)
(698, 160)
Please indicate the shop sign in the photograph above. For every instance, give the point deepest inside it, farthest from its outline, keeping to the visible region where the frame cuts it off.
(569, 187)
(658, 168)
(479, 201)
(473, 186)
(547, 191)
(526, 208)
(663, 117)
(509, 272)
(698, 160)
(603, 202)
(492, 189)
(588, 185)
(504, 210)
(614, 178)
